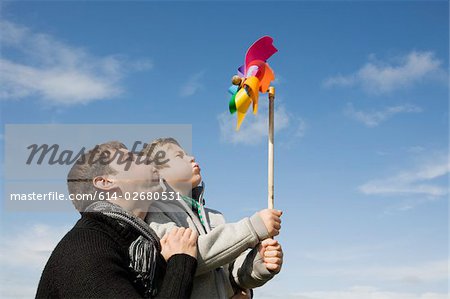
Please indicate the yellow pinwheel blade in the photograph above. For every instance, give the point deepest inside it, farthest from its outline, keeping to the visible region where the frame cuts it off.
(242, 100)
(253, 85)
(240, 118)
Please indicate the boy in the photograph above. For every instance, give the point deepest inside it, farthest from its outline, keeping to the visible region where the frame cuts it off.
(111, 252)
(225, 265)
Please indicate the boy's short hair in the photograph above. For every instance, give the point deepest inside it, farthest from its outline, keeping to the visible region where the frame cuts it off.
(151, 149)
(86, 168)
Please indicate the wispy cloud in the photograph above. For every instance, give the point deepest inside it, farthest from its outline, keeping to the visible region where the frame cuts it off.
(364, 276)
(30, 254)
(193, 85)
(355, 292)
(54, 71)
(23, 255)
(347, 254)
(419, 181)
(374, 118)
(427, 272)
(383, 77)
(254, 129)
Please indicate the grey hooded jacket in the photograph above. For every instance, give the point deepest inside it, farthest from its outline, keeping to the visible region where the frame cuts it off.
(227, 254)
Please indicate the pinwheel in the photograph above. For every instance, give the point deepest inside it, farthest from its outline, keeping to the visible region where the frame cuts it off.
(253, 77)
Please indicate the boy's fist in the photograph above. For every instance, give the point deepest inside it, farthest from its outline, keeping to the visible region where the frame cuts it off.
(179, 240)
(272, 221)
(272, 254)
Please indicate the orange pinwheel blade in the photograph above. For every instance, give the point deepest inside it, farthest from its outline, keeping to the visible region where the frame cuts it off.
(267, 78)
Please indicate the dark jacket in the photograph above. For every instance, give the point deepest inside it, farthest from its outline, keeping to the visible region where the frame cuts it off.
(92, 261)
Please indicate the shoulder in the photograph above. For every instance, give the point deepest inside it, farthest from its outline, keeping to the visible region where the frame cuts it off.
(91, 239)
(167, 206)
(215, 217)
(85, 251)
(213, 211)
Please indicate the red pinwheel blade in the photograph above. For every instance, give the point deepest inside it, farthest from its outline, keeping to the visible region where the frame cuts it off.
(262, 49)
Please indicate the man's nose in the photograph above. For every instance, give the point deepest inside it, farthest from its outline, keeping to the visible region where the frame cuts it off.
(191, 159)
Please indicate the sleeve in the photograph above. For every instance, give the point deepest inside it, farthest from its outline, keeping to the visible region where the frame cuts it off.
(248, 270)
(222, 244)
(179, 277)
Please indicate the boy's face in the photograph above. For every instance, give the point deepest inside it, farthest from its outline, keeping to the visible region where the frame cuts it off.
(132, 176)
(181, 171)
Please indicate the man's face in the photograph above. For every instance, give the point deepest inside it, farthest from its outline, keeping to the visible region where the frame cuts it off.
(132, 176)
(181, 170)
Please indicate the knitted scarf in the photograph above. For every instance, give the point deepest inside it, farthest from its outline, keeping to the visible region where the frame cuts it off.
(143, 251)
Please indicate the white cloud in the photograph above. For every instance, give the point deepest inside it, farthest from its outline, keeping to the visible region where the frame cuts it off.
(193, 85)
(382, 77)
(340, 80)
(23, 255)
(347, 254)
(254, 128)
(365, 292)
(425, 276)
(17, 288)
(416, 181)
(374, 118)
(429, 272)
(30, 248)
(56, 72)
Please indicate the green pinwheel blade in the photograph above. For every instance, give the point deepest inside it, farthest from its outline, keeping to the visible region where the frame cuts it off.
(232, 104)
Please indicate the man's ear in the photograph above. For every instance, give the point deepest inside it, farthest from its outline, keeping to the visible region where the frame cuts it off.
(103, 183)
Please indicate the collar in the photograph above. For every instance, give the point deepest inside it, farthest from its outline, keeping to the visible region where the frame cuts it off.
(197, 193)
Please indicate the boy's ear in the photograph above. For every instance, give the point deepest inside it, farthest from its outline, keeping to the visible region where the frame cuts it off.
(103, 183)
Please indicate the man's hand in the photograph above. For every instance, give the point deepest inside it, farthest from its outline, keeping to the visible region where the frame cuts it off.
(179, 240)
(242, 294)
(272, 254)
(272, 221)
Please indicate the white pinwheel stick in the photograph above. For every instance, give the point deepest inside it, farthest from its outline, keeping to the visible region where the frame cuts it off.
(270, 149)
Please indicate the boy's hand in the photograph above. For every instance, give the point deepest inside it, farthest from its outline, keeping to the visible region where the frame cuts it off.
(179, 240)
(272, 254)
(272, 221)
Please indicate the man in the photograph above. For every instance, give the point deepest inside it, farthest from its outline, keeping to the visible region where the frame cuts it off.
(111, 252)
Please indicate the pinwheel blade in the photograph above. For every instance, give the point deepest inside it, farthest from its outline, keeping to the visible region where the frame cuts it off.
(242, 101)
(232, 104)
(262, 49)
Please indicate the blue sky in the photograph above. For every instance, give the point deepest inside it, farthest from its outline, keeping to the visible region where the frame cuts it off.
(361, 159)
